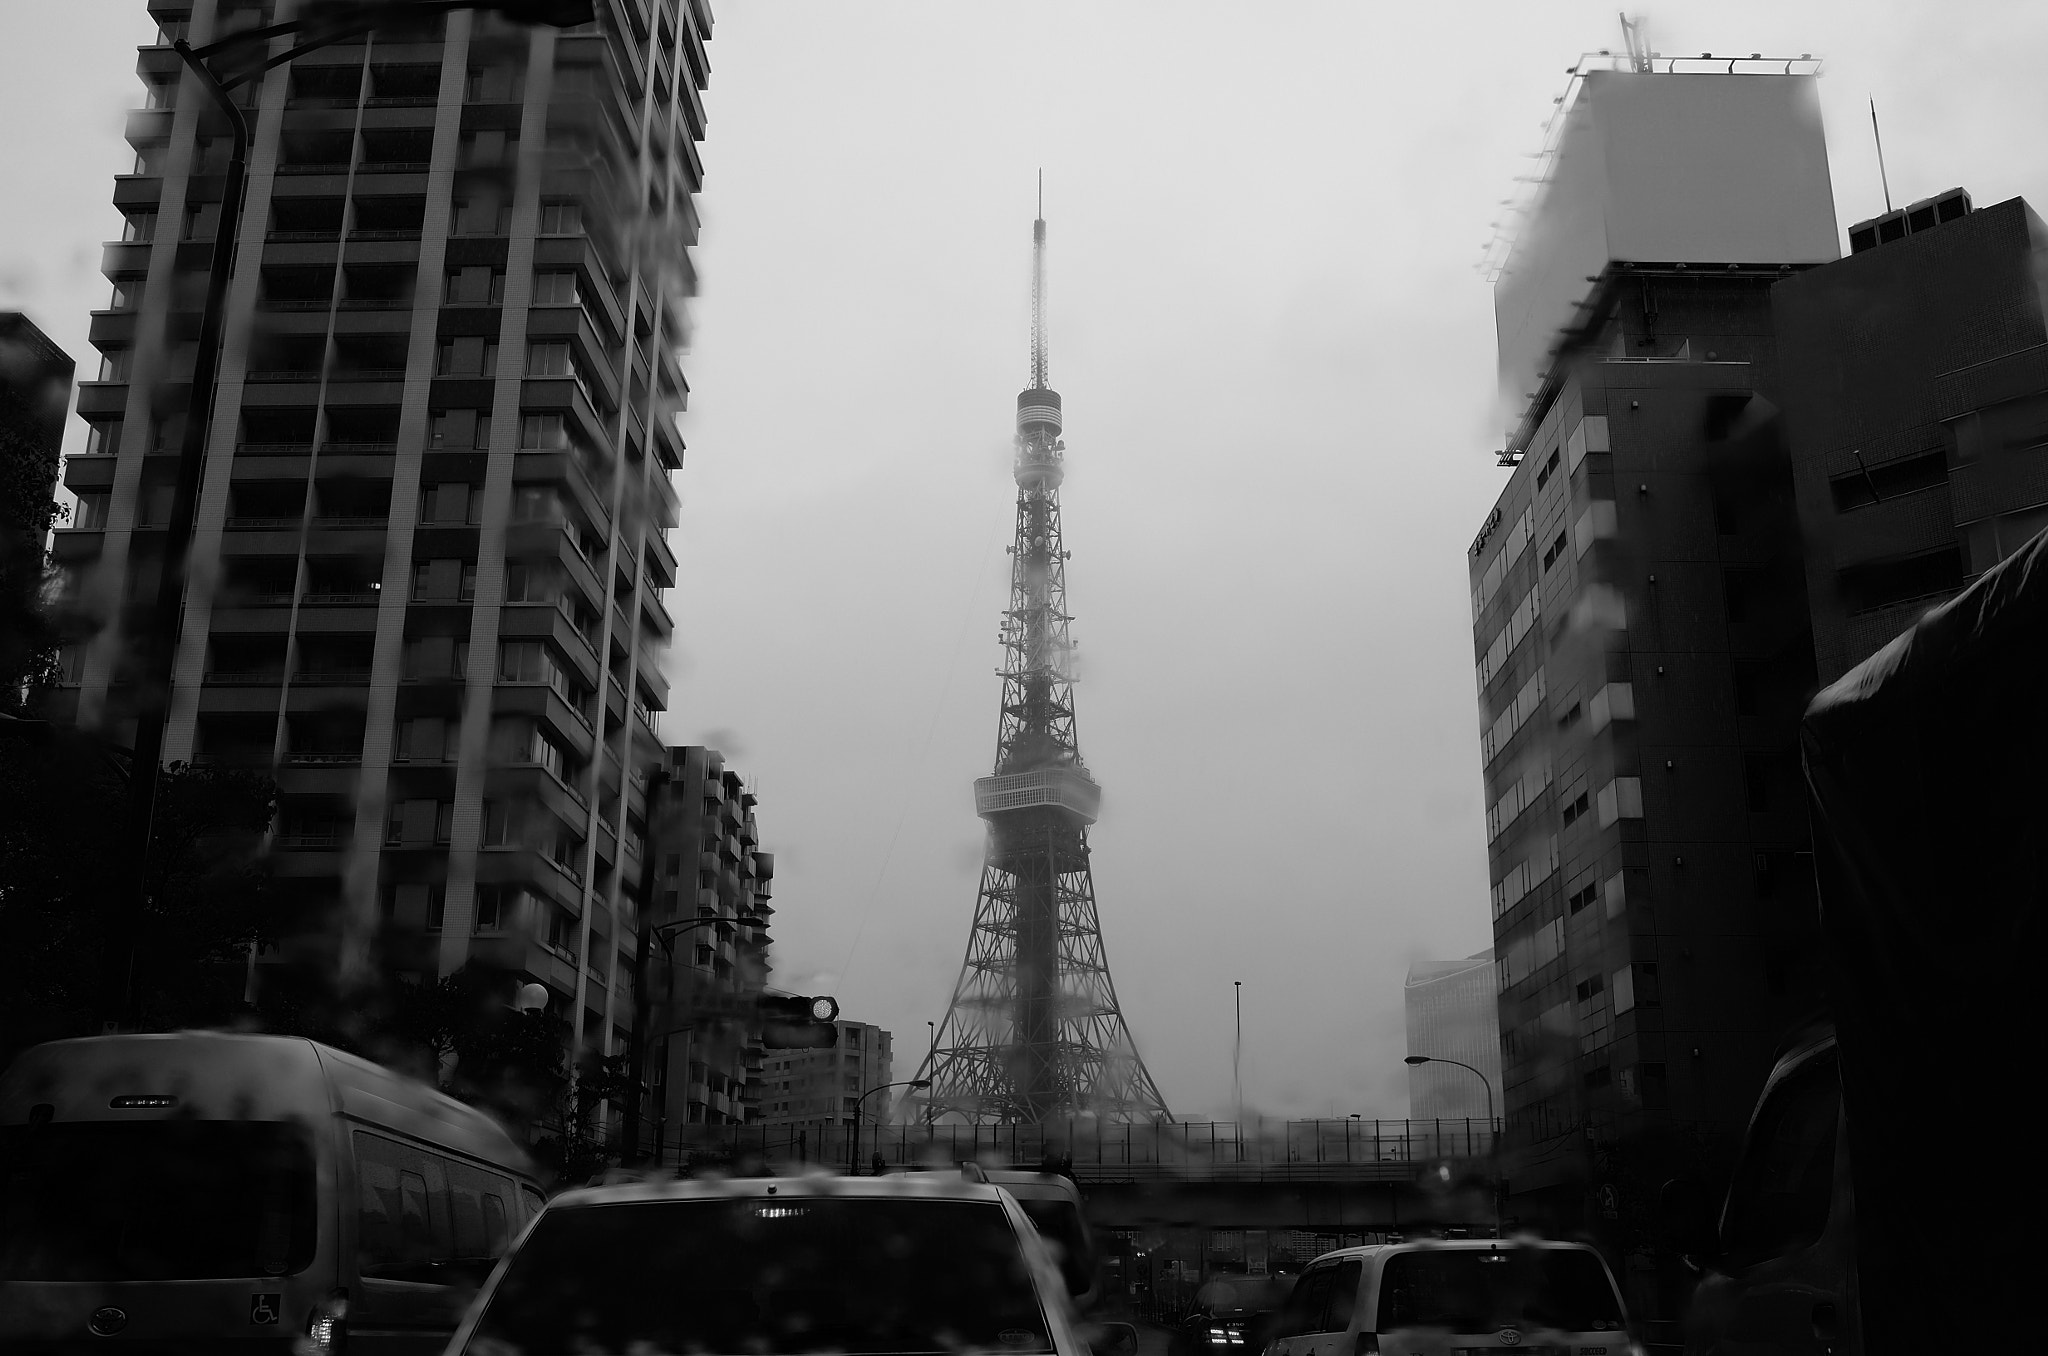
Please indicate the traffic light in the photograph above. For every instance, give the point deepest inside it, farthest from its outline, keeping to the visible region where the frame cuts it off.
(792, 1022)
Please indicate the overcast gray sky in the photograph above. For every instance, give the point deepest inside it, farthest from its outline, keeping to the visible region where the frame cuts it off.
(1278, 365)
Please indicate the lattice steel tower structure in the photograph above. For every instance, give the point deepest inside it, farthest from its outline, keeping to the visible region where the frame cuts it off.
(1034, 1032)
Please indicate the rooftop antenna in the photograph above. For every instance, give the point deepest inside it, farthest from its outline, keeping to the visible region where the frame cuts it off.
(1638, 45)
(1874, 136)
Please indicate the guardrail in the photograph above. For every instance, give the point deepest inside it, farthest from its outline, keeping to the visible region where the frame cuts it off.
(1296, 1150)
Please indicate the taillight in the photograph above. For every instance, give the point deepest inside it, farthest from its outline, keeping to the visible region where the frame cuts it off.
(326, 1327)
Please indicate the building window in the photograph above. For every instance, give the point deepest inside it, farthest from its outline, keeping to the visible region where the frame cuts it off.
(496, 905)
(478, 286)
(548, 360)
(1576, 808)
(561, 218)
(91, 513)
(479, 216)
(466, 357)
(437, 907)
(116, 363)
(543, 430)
(103, 439)
(202, 221)
(444, 822)
(1600, 1077)
(497, 829)
(555, 288)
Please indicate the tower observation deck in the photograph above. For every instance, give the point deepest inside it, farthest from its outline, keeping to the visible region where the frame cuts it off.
(1034, 1032)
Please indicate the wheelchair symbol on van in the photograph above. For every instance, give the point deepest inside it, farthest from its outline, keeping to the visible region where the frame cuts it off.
(263, 1308)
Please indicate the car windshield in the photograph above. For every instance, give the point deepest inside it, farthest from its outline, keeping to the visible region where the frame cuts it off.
(154, 1200)
(766, 1276)
(1470, 1290)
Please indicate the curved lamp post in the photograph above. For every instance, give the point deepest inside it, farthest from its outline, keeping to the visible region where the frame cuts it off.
(1492, 1130)
(853, 1152)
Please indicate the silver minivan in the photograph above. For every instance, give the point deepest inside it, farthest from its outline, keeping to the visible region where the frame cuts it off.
(1455, 1295)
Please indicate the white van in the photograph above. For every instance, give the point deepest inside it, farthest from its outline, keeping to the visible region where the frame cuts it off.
(1462, 1295)
(241, 1193)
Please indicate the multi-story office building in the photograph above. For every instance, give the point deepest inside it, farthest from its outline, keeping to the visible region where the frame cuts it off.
(816, 1089)
(1916, 396)
(1453, 1012)
(35, 391)
(1640, 633)
(712, 904)
(428, 558)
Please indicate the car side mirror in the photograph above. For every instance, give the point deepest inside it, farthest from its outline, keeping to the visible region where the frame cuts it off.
(1113, 1339)
(1686, 1220)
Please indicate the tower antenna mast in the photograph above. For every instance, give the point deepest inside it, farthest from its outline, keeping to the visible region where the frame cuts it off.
(1039, 356)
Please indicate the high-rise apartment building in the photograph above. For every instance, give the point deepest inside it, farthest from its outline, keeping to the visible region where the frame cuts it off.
(35, 391)
(428, 559)
(711, 903)
(816, 1089)
(1453, 1013)
(1641, 638)
(1916, 398)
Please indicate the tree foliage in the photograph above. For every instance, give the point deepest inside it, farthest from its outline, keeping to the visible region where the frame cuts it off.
(28, 510)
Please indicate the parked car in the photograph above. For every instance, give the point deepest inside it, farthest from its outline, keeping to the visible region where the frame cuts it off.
(1438, 1295)
(916, 1263)
(204, 1189)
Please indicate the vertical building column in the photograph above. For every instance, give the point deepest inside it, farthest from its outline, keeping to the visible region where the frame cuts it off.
(149, 364)
(360, 875)
(210, 510)
(459, 908)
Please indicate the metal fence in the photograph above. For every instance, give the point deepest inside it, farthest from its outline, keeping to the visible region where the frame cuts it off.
(1095, 1147)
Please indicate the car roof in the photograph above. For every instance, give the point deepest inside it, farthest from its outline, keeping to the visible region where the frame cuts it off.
(1371, 1250)
(932, 1186)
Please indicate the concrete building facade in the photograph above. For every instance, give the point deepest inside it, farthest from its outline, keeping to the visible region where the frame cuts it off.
(429, 558)
(818, 1089)
(1916, 400)
(1642, 650)
(1453, 1012)
(711, 902)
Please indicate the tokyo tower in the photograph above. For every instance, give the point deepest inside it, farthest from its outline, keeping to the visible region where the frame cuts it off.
(1034, 1032)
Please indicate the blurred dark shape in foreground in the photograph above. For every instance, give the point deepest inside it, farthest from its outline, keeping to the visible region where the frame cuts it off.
(1924, 767)
(210, 899)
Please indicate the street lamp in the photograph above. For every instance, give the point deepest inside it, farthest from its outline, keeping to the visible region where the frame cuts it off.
(242, 57)
(1492, 1131)
(853, 1153)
